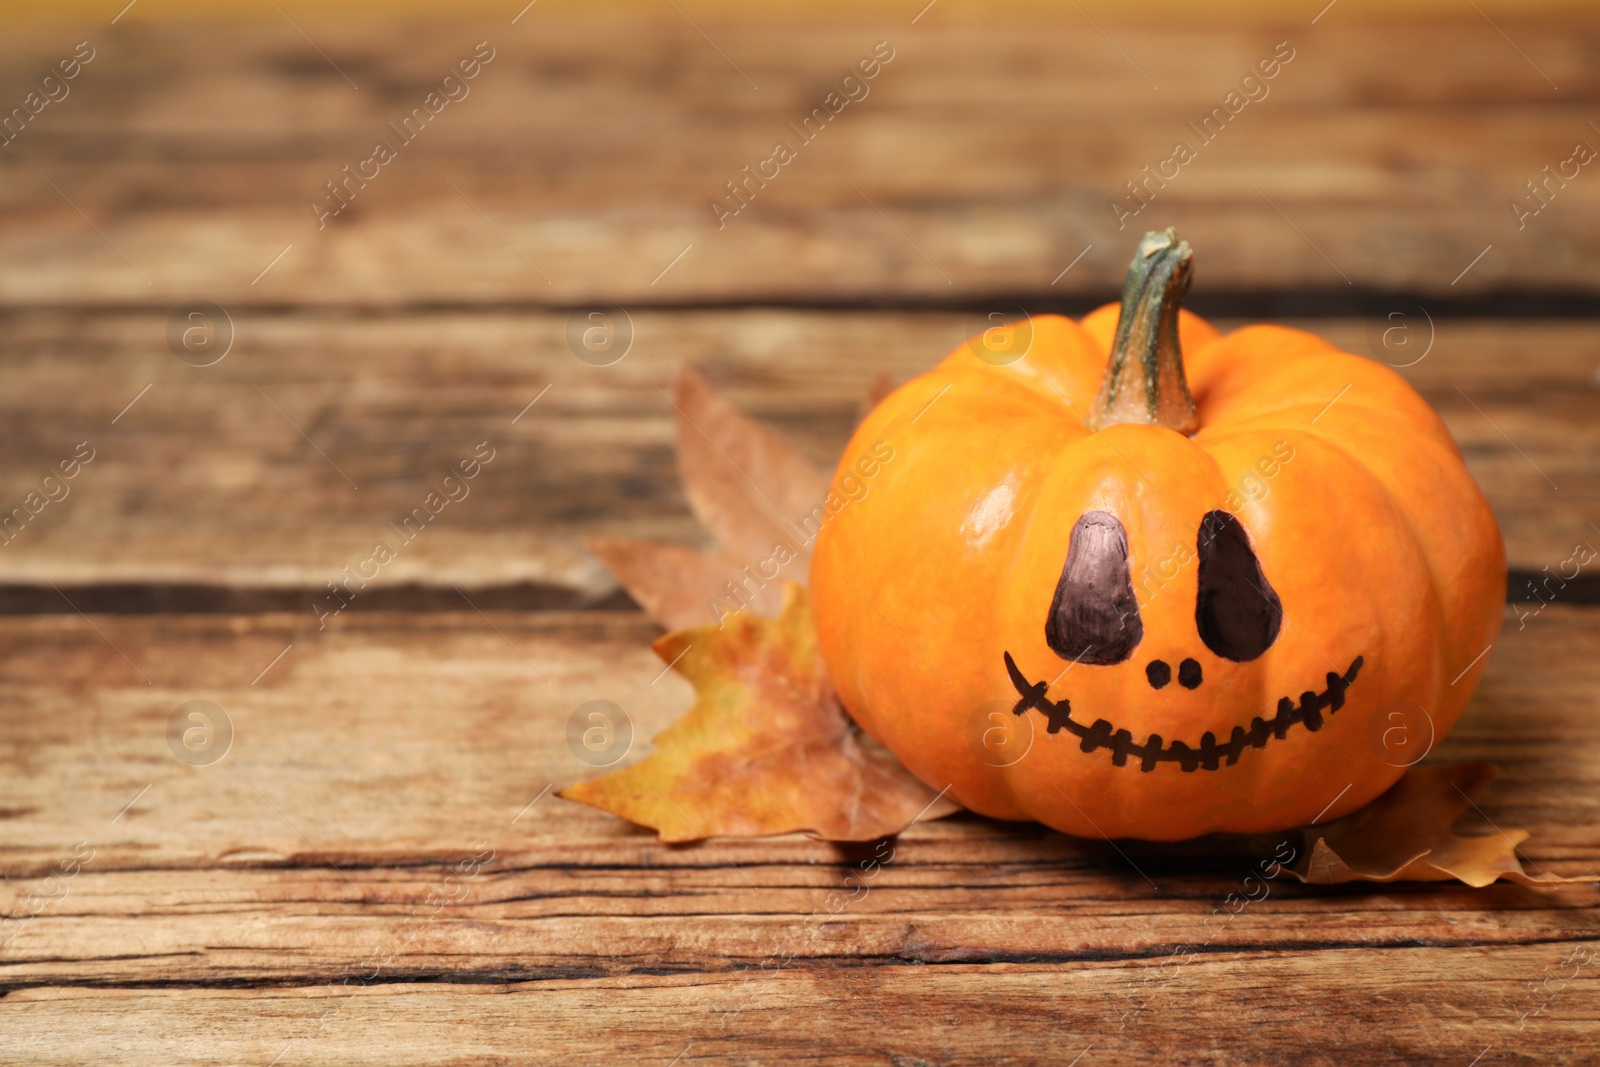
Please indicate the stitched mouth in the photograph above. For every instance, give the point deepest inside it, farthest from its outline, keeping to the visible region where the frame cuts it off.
(1208, 754)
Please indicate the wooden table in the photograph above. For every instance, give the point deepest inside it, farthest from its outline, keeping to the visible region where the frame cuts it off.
(377, 870)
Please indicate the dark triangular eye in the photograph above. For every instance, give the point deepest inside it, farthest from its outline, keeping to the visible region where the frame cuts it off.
(1094, 617)
(1237, 612)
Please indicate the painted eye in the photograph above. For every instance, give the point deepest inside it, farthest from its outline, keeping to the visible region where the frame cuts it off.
(1094, 617)
(1236, 611)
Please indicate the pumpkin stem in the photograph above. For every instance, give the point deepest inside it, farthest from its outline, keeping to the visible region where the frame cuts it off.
(1144, 380)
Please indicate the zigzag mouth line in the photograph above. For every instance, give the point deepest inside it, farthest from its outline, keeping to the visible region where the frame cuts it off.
(1208, 754)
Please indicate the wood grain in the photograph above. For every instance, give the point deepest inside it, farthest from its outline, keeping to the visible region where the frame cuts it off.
(377, 870)
(1407, 1005)
(983, 158)
(285, 462)
(1416, 1005)
(400, 738)
(318, 865)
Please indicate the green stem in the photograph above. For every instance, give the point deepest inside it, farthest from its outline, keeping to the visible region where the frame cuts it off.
(1144, 380)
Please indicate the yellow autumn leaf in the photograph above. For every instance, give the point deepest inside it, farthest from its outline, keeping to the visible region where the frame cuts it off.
(766, 748)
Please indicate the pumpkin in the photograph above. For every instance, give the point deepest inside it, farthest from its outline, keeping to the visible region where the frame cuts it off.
(1130, 577)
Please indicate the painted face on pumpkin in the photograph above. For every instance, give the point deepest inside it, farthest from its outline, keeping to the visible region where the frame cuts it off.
(1094, 619)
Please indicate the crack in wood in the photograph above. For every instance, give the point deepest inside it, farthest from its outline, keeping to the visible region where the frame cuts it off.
(955, 956)
(1361, 301)
(189, 598)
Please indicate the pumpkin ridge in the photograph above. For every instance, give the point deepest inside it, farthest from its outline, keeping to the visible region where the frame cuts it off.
(1403, 511)
(1023, 389)
(1252, 384)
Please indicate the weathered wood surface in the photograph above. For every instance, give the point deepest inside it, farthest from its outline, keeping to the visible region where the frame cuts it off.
(393, 738)
(1411, 1005)
(587, 152)
(373, 760)
(208, 480)
(312, 897)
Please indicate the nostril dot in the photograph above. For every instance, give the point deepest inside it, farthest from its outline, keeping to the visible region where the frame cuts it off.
(1159, 673)
(1188, 674)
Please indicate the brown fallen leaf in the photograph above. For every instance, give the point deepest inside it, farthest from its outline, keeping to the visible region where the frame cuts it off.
(766, 748)
(677, 586)
(1405, 835)
(747, 486)
(743, 483)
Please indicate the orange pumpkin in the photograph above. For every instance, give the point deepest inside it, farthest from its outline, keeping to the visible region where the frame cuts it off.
(1084, 579)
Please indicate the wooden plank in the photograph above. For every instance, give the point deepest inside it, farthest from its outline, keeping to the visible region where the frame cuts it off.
(1407, 1005)
(376, 869)
(306, 894)
(285, 462)
(395, 738)
(384, 792)
(216, 928)
(984, 157)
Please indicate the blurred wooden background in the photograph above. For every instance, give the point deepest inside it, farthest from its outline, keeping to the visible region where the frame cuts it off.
(285, 901)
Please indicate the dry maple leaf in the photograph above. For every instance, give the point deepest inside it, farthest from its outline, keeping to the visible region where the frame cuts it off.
(745, 484)
(1405, 835)
(766, 748)
(678, 586)
(750, 489)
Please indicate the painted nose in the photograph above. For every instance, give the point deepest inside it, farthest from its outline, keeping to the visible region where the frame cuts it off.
(1158, 673)
(1189, 674)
